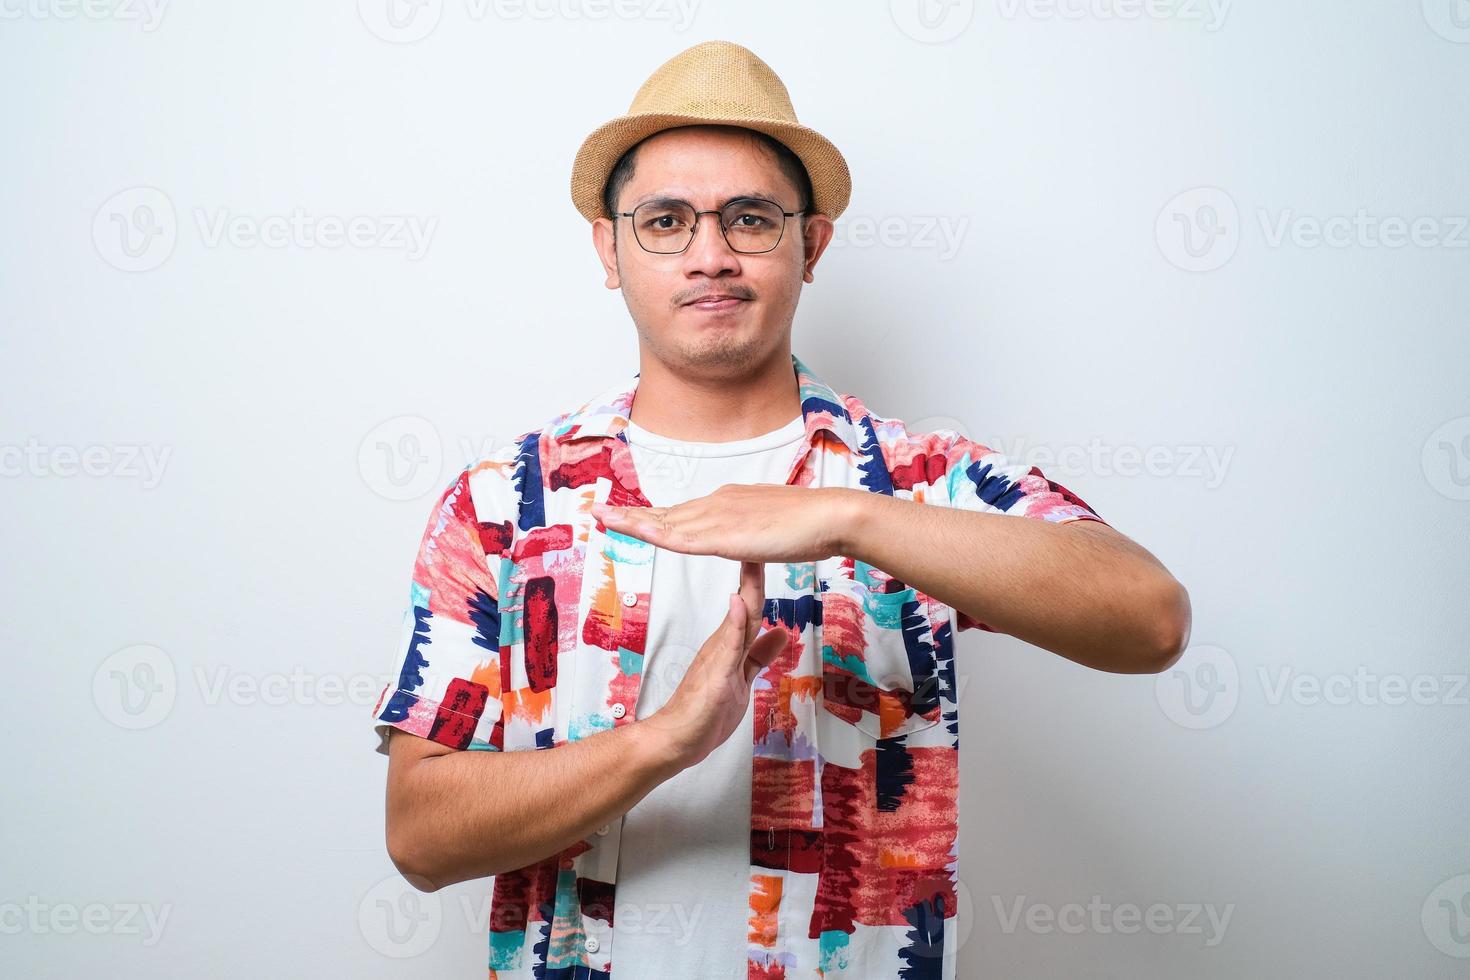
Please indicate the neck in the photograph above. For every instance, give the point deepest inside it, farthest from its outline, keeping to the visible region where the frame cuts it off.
(682, 406)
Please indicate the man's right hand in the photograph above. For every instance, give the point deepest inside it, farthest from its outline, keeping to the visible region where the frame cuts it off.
(711, 700)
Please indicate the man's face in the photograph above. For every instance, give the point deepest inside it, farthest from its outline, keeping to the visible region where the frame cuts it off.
(707, 167)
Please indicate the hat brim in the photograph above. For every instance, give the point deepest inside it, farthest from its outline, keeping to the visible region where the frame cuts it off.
(600, 152)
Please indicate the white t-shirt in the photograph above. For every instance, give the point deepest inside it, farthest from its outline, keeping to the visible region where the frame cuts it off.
(680, 908)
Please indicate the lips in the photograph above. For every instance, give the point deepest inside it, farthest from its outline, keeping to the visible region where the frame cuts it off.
(715, 303)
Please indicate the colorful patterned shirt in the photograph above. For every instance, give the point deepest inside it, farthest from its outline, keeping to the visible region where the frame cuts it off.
(526, 629)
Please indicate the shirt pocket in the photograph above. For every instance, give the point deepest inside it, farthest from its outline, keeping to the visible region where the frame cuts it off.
(879, 670)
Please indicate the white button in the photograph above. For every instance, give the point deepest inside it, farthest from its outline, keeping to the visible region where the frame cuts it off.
(592, 944)
(618, 710)
(602, 831)
(630, 598)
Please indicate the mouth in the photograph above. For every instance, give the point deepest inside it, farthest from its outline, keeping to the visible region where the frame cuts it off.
(715, 304)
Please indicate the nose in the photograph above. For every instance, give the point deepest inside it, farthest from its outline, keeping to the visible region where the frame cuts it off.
(708, 253)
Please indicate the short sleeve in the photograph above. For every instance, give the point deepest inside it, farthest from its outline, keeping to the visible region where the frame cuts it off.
(976, 477)
(446, 679)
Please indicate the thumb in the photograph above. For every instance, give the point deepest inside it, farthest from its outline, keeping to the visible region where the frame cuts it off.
(764, 651)
(733, 641)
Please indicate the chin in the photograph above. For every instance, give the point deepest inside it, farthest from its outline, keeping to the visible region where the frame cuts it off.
(730, 350)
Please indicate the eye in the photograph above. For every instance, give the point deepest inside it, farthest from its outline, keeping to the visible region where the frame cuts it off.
(661, 219)
(753, 216)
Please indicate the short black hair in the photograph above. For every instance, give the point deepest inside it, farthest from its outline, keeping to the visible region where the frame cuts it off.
(788, 161)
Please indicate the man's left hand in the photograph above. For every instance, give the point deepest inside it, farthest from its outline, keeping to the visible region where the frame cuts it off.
(761, 522)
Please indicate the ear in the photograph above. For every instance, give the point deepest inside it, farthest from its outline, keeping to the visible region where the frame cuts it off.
(816, 236)
(607, 251)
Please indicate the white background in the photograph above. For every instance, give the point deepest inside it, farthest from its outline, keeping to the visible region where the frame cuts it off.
(262, 561)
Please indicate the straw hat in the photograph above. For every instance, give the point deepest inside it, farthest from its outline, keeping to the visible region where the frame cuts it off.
(717, 83)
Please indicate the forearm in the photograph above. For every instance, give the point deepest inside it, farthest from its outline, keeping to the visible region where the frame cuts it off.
(1103, 602)
(464, 815)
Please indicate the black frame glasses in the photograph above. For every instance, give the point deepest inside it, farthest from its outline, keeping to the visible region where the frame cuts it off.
(724, 225)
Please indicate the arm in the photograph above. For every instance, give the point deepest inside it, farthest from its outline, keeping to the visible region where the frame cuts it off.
(1078, 588)
(1061, 579)
(455, 815)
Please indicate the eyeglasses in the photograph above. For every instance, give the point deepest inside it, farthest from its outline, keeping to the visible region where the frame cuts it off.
(750, 225)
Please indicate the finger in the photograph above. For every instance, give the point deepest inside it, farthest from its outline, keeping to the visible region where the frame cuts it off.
(727, 666)
(763, 652)
(753, 591)
(643, 523)
(733, 641)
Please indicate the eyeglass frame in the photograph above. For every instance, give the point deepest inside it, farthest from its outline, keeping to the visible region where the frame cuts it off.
(724, 232)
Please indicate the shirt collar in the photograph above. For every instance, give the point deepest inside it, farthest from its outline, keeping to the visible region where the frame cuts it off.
(821, 408)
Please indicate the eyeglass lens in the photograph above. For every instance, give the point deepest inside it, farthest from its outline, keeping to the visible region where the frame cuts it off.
(668, 226)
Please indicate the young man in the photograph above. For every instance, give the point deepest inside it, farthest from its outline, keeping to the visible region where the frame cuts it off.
(698, 643)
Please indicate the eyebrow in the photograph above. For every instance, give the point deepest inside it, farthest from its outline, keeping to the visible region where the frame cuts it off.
(666, 199)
